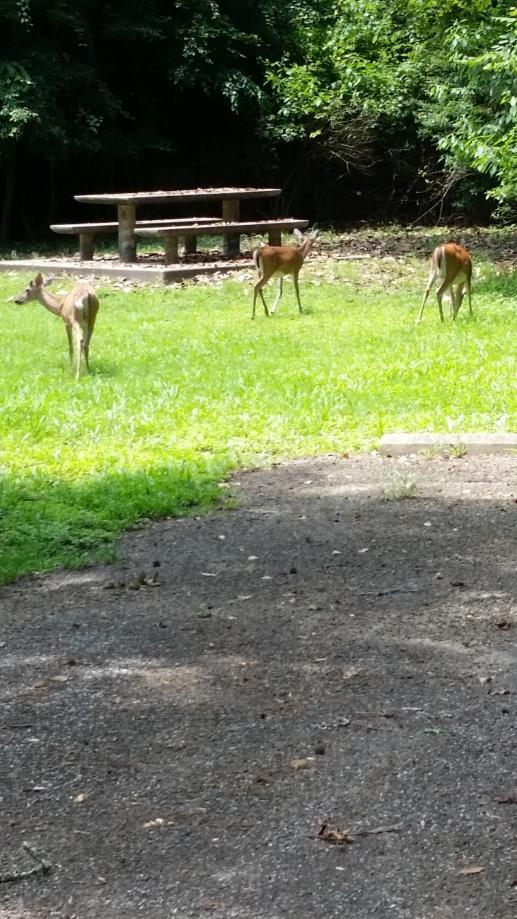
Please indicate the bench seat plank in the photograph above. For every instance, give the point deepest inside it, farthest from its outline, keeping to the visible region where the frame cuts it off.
(232, 228)
(74, 229)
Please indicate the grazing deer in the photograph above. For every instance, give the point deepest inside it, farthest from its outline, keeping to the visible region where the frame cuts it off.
(452, 264)
(78, 310)
(277, 261)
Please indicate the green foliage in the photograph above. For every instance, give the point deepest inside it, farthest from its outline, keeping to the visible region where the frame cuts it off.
(184, 388)
(374, 78)
(480, 104)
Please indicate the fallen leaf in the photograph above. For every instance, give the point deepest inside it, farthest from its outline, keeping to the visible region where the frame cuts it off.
(350, 672)
(80, 798)
(334, 836)
(307, 763)
(471, 869)
(154, 824)
(506, 799)
(504, 625)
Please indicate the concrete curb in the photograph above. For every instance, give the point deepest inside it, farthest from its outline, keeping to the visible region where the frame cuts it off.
(403, 444)
(98, 269)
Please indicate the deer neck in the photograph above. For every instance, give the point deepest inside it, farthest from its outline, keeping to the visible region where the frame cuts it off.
(50, 302)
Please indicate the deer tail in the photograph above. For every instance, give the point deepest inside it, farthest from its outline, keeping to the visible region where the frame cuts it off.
(257, 258)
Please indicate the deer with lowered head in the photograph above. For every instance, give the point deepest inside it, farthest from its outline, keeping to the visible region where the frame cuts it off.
(278, 261)
(78, 310)
(451, 264)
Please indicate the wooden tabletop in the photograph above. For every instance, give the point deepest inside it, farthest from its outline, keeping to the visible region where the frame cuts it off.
(187, 194)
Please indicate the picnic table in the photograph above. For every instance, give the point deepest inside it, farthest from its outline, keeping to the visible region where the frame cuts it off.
(127, 204)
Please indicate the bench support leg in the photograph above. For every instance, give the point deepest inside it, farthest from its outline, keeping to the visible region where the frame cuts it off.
(126, 232)
(190, 245)
(231, 242)
(171, 249)
(275, 237)
(86, 247)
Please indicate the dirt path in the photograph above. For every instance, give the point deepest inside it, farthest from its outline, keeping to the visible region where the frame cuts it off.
(172, 743)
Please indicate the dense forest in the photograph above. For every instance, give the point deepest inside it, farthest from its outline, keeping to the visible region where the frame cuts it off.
(359, 109)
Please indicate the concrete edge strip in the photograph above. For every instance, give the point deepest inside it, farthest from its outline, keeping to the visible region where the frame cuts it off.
(401, 444)
(127, 272)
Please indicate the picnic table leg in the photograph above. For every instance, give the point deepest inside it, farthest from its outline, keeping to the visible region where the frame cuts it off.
(170, 244)
(126, 232)
(85, 246)
(231, 242)
(275, 237)
(190, 245)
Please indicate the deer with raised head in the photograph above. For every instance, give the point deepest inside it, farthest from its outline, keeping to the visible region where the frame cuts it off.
(452, 265)
(278, 261)
(78, 310)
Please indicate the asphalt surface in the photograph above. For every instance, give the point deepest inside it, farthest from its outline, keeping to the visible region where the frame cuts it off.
(302, 707)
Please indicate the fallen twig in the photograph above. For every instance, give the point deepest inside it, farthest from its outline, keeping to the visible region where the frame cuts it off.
(376, 831)
(337, 837)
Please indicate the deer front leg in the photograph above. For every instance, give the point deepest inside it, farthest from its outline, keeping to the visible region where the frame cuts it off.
(295, 282)
(279, 294)
(470, 298)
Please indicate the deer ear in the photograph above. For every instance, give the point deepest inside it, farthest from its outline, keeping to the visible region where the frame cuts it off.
(298, 233)
(38, 280)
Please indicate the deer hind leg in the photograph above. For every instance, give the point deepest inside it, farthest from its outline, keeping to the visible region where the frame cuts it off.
(469, 292)
(457, 294)
(427, 291)
(79, 348)
(297, 291)
(439, 296)
(256, 291)
(70, 343)
(279, 294)
(86, 350)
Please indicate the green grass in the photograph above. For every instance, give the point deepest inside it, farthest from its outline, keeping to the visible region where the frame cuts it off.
(184, 388)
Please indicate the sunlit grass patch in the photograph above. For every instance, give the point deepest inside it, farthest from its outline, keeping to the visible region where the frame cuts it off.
(184, 388)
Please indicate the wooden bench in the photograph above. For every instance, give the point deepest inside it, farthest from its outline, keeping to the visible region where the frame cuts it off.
(229, 229)
(88, 231)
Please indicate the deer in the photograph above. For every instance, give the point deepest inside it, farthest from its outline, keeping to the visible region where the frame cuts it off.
(78, 309)
(452, 264)
(278, 261)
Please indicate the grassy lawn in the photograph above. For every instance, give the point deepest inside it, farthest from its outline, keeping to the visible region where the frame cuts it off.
(184, 388)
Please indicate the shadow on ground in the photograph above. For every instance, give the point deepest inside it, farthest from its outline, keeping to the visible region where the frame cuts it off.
(174, 733)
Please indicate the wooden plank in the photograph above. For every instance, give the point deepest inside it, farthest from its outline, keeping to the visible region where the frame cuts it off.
(86, 246)
(221, 229)
(73, 229)
(187, 194)
(231, 242)
(171, 249)
(126, 233)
